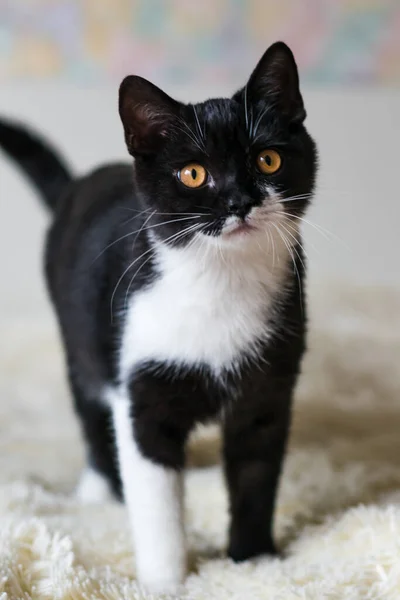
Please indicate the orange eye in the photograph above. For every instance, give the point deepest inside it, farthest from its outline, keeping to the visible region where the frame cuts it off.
(193, 175)
(269, 161)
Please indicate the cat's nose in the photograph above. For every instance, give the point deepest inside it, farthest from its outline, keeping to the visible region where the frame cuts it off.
(240, 206)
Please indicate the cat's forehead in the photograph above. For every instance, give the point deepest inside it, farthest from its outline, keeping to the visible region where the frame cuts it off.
(211, 128)
(223, 126)
(215, 125)
(217, 113)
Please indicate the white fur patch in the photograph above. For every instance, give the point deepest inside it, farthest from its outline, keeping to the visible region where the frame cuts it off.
(209, 305)
(93, 488)
(154, 497)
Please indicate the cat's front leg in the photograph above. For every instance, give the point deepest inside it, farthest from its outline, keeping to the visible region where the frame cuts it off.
(255, 435)
(151, 455)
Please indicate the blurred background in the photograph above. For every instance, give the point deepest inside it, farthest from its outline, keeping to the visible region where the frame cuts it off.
(183, 41)
(61, 62)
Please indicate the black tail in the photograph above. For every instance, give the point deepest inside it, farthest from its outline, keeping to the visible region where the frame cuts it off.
(37, 159)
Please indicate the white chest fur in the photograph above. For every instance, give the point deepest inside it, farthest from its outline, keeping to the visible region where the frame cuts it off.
(208, 306)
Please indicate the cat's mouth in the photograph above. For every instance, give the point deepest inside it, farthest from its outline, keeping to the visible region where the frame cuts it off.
(235, 226)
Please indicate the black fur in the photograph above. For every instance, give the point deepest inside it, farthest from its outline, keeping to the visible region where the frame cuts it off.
(89, 248)
(44, 167)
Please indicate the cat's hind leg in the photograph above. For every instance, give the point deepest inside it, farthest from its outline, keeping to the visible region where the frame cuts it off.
(99, 481)
(93, 487)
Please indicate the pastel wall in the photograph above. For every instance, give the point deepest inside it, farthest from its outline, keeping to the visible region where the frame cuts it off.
(86, 41)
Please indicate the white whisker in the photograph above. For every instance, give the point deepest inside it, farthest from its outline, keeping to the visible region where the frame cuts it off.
(297, 242)
(201, 133)
(221, 253)
(134, 276)
(294, 198)
(271, 239)
(174, 214)
(122, 276)
(190, 136)
(139, 213)
(251, 123)
(142, 228)
(294, 238)
(289, 249)
(257, 123)
(182, 234)
(290, 224)
(328, 235)
(245, 108)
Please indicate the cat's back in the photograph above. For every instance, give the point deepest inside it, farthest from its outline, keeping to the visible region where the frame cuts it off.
(92, 197)
(87, 215)
(85, 252)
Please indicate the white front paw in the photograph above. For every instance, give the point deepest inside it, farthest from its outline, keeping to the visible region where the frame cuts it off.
(157, 585)
(162, 581)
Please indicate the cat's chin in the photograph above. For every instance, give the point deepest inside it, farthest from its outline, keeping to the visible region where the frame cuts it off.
(235, 228)
(243, 229)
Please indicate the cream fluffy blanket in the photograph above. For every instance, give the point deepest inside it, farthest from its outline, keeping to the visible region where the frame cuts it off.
(338, 517)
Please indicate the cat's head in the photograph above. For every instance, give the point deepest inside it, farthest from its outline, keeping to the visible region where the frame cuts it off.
(226, 168)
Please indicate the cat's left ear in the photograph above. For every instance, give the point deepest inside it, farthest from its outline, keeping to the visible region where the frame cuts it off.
(146, 113)
(276, 80)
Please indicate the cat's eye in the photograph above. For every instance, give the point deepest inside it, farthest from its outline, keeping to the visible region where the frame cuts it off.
(269, 162)
(193, 175)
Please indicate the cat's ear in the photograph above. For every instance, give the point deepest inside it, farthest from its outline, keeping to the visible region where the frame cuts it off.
(146, 113)
(276, 80)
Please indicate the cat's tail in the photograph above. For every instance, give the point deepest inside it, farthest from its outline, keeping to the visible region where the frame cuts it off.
(37, 159)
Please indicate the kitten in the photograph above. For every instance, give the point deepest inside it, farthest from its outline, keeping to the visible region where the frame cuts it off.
(178, 286)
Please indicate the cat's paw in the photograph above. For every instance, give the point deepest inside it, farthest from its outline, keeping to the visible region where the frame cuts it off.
(92, 488)
(246, 548)
(161, 587)
(161, 583)
(162, 576)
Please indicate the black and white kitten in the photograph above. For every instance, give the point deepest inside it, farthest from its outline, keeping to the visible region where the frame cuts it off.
(178, 288)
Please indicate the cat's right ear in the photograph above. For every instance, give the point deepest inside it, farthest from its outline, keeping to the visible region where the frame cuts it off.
(146, 113)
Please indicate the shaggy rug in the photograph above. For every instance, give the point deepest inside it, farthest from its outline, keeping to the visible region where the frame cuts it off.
(338, 515)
